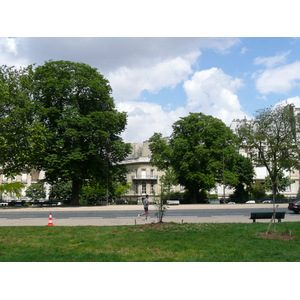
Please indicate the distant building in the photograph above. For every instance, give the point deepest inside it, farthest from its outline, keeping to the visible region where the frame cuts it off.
(26, 178)
(143, 177)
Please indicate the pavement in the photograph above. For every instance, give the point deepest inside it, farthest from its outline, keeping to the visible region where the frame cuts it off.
(134, 220)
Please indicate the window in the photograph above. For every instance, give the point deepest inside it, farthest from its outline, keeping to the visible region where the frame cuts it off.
(143, 173)
(152, 173)
(144, 189)
(152, 189)
(24, 177)
(136, 188)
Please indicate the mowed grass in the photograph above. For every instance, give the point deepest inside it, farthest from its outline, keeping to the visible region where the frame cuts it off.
(166, 242)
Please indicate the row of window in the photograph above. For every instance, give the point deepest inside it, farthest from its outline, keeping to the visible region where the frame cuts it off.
(144, 173)
(142, 189)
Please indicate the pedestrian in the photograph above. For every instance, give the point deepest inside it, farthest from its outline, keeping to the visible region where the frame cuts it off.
(146, 204)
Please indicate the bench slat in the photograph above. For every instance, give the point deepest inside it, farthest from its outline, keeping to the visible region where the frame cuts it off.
(267, 215)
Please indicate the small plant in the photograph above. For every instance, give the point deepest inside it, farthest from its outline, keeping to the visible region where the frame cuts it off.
(161, 208)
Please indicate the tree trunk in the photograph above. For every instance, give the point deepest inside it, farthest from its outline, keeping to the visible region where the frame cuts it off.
(194, 195)
(274, 200)
(76, 187)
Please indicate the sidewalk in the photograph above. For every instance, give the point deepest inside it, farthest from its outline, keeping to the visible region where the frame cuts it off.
(289, 217)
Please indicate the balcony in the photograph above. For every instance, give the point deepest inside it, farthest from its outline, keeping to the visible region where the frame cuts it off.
(144, 178)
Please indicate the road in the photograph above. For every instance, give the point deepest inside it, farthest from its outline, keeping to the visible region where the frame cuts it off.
(127, 214)
(20, 214)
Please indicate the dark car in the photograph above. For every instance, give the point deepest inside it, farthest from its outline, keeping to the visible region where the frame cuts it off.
(294, 206)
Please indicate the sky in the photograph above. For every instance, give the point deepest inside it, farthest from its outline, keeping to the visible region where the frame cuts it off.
(163, 64)
(157, 81)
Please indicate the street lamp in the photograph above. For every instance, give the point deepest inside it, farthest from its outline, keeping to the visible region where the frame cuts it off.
(223, 167)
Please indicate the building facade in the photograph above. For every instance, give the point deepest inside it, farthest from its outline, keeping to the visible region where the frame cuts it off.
(26, 179)
(143, 177)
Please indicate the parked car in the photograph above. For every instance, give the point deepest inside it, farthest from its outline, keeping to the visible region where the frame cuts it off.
(294, 206)
(268, 201)
(250, 202)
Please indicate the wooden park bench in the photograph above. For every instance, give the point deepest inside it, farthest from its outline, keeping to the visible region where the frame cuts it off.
(267, 215)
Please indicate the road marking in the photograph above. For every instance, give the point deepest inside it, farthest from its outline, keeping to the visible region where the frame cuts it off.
(83, 218)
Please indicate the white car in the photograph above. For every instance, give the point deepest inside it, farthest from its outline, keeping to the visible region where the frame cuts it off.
(3, 203)
(250, 202)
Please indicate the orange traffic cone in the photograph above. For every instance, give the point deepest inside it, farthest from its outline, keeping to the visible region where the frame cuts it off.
(50, 222)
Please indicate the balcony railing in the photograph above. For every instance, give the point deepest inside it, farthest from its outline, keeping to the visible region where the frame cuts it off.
(139, 177)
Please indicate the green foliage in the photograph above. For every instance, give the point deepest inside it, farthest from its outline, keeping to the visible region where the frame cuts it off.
(92, 192)
(61, 191)
(282, 183)
(201, 151)
(36, 191)
(12, 189)
(271, 141)
(245, 171)
(258, 190)
(121, 189)
(21, 135)
(83, 127)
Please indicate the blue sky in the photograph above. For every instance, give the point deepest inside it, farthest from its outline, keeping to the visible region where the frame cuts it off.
(158, 80)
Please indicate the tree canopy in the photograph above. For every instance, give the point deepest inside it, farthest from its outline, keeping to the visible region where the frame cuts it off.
(201, 151)
(21, 135)
(83, 126)
(271, 141)
(60, 117)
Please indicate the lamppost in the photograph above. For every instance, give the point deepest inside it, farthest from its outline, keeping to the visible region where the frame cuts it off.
(223, 167)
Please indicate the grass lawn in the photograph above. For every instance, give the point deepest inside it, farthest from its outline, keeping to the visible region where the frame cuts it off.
(166, 242)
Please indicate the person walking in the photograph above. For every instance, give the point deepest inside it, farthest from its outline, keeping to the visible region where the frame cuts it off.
(146, 210)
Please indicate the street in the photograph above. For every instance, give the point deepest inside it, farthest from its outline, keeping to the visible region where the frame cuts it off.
(60, 214)
(128, 214)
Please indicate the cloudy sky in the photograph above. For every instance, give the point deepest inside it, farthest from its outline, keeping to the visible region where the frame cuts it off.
(164, 59)
(158, 80)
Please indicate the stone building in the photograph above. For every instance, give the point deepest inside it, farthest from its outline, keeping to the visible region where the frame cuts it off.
(143, 177)
(26, 178)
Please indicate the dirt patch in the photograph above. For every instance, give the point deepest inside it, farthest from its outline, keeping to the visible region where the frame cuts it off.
(159, 224)
(278, 235)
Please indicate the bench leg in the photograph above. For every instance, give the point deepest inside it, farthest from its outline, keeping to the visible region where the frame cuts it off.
(279, 220)
(254, 220)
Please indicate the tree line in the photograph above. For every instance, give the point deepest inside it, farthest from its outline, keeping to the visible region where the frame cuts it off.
(60, 117)
(202, 152)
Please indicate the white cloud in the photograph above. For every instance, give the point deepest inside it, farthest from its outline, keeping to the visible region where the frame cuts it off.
(272, 61)
(293, 100)
(128, 83)
(213, 93)
(144, 119)
(10, 54)
(244, 50)
(278, 80)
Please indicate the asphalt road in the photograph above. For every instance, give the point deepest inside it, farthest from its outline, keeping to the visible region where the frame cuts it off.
(20, 214)
(128, 214)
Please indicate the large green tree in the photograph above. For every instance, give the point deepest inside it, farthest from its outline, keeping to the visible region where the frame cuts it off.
(83, 141)
(21, 134)
(201, 151)
(271, 141)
